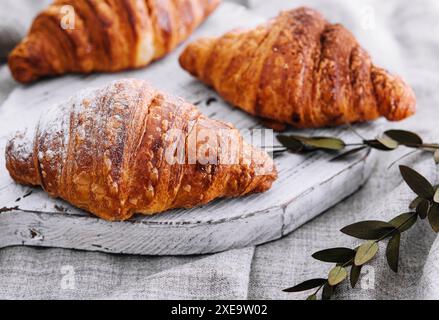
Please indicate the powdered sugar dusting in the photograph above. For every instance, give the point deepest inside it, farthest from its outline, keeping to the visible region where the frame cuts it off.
(23, 145)
(54, 129)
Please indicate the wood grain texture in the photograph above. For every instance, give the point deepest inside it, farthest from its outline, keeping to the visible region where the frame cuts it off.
(307, 185)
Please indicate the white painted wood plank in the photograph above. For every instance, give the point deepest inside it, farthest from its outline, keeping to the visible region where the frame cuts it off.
(307, 186)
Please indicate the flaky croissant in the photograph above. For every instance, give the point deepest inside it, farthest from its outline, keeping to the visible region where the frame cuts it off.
(104, 35)
(301, 70)
(128, 148)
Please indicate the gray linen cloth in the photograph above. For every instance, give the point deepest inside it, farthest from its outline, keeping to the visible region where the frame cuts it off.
(401, 35)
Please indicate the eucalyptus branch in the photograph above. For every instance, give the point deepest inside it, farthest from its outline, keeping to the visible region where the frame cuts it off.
(389, 141)
(426, 205)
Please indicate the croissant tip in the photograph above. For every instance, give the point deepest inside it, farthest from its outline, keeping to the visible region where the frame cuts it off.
(396, 98)
(192, 58)
(406, 107)
(23, 62)
(19, 158)
(19, 71)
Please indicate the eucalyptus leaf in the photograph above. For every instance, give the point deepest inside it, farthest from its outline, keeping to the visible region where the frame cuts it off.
(433, 217)
(307, 285)
(436, 156)
(325, 143)
(348, 153)
(366, 252)
(421, 186)
(291, 143)
(392, 251)
(414, 204)
(436, 196)
(376, 144)
(404, 221)
(423, 208)
(407, 138)
(327, 292)
(335, 255)
(368, 230)
(355, 275)
(337, 275)
(312, 297)
(388, 142)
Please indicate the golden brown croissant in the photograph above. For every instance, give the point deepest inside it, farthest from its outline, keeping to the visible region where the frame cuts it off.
(300, 70)
(128, 148)
(107, 35)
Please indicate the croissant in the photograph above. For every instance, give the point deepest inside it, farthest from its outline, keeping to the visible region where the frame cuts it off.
(300, 70)
(128, 148)
(84, 36)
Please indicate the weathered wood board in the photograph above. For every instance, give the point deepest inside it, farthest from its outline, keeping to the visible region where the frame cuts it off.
(307, 185)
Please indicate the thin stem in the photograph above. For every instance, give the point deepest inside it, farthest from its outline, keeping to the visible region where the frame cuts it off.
(355, 144)
(402, 158)
(396, 229)
(315, 293)
(432, 146)
(354, 131)
(347, 263)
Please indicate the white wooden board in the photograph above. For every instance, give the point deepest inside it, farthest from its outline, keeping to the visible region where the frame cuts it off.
(307, 185)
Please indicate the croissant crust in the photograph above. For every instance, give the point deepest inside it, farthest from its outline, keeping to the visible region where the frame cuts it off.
(301, 70)
(84, 36)
(111, 152)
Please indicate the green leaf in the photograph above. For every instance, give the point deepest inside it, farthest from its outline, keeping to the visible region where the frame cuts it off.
(335, 255)
(355, 275)
(366, 252)
(299, 143)
(337, 275)
(306, 285)
(436, 156)
(433, 217)
(291, 143)
(421, 186)
(327, 292)
(348, 153)
(312, 297)
(404, 221)
(436, 196)
(407, 138)
(325, 143)
(423, 208)
(392, 251)
(368, 230)
(376, 144)
(388, 142)
(414, 204)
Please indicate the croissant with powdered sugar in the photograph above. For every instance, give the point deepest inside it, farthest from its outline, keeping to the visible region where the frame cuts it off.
(128, 148)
